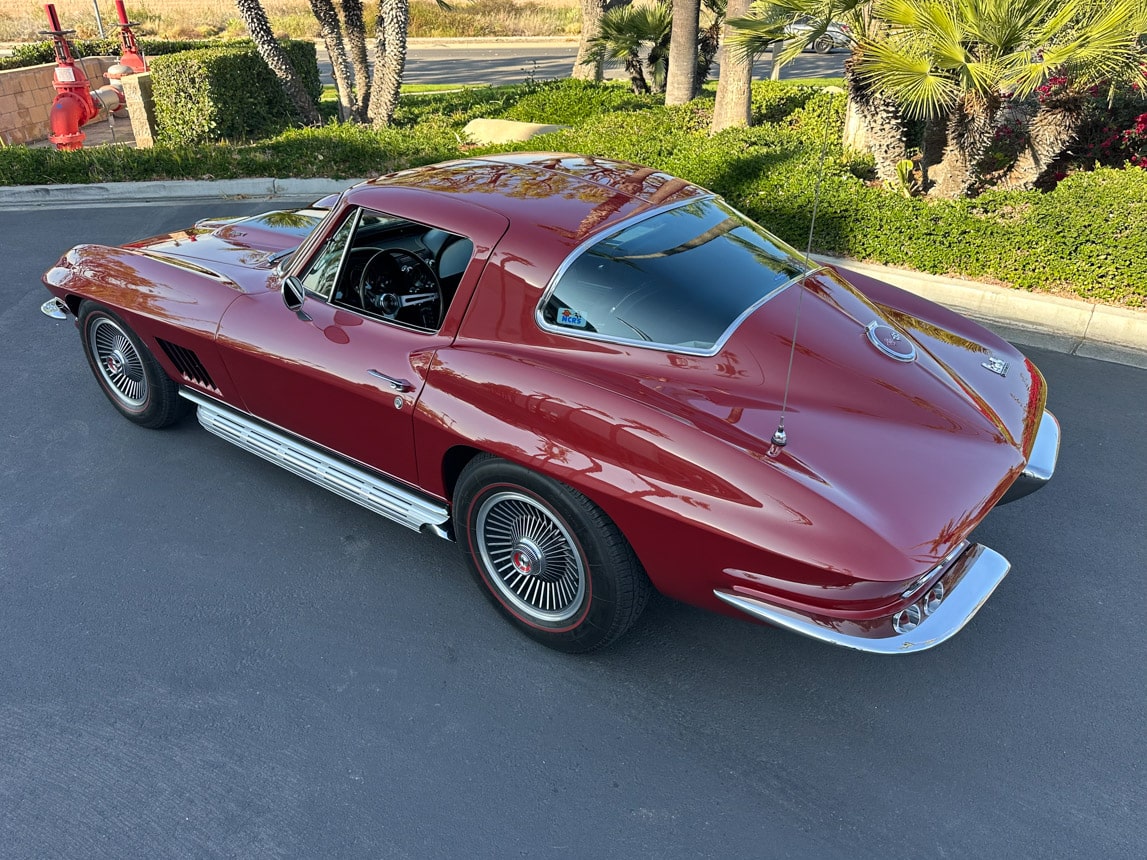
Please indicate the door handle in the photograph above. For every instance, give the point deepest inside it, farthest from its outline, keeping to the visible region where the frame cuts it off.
(396, 384)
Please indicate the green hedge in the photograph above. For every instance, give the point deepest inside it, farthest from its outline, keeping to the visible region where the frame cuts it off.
(226, 93)
(1088, 236)
(35, 53)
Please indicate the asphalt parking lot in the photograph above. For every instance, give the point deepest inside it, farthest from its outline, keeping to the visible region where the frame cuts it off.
(206, 656)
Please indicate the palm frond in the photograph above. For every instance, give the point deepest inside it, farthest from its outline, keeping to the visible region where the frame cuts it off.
(910, 78)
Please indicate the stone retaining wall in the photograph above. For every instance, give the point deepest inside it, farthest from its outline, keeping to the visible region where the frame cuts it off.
(26, 98)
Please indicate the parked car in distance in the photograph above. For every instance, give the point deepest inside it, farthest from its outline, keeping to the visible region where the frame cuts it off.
(834, 36)
(577, 369)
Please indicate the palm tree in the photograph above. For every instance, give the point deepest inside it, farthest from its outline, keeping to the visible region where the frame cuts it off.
(873, 120)
(356, 45)
(254, 16)
(963, 65)
(709, 38)
(630, 32)
(389, 59)
(734, 87)
(585, 67)
(681, 81)
(331, 30)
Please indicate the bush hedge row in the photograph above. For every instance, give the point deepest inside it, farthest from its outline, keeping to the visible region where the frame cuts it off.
(1088, 236)
(35, 53)
(226, 93)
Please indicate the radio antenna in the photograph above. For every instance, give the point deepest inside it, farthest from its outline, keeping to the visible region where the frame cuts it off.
(780, 439)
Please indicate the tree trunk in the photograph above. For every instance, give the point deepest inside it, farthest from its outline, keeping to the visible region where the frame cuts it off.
(883, 124)
(389, 60)
(637, 80)
(1050, 132)
(591, 12)
(935, 138)
(969, 136)
(775, 68)
(855, 136)
(253, 15)
(708, 42)
(331, 31)
(681, 81)
(356, 44)
(734, 86)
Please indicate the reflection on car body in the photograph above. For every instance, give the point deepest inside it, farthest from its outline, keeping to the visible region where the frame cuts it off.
(574, 367)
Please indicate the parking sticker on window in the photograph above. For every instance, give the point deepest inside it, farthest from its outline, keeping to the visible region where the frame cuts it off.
(571, 318)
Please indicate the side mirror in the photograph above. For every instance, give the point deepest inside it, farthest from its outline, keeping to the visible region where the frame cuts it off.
(294, 294)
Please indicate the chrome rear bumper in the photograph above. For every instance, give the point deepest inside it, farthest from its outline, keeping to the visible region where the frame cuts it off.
(1041, 463)
(968, 582)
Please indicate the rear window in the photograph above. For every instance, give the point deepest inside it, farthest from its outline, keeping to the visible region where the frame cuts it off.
(680, 279)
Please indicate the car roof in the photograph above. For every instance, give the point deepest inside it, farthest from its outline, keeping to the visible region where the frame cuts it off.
(571, 197)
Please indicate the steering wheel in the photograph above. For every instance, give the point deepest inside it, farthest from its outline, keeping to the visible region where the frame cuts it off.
(398, 285)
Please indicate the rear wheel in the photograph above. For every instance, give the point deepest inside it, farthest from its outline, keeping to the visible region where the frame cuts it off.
(550, 560)
(823, 45)
(127, 372)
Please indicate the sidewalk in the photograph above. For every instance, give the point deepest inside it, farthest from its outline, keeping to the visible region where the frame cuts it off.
(1064, 325)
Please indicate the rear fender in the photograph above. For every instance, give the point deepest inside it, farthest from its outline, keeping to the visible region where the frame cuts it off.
(667, 485)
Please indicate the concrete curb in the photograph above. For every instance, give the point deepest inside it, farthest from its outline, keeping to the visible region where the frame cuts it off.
(1064, 325)
(122, 193)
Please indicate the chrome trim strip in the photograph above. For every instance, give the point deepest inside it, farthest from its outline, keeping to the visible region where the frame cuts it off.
(356, 484)
(985, 569)
(1041, 463)
(625, 223)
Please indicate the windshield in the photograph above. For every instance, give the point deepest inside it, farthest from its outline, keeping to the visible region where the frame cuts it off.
(680, 279)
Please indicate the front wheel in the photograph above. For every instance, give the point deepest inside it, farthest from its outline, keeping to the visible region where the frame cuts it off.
(126, 371)
(550, 560)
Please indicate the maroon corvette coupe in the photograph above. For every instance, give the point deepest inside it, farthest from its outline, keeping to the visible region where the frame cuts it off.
(578, 368)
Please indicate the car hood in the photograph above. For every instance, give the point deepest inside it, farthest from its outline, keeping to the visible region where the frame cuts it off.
(226, 245)
(914, 453)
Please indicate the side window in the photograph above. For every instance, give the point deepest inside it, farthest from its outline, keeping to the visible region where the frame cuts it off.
(391, 268)
(321, 276)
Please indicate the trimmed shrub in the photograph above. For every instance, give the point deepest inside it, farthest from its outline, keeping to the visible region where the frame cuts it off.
(36, 53)
(226, 93)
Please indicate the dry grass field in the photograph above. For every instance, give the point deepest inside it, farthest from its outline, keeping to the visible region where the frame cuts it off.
(21, 20)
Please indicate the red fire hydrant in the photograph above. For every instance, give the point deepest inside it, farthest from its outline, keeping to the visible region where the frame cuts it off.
(73, 105)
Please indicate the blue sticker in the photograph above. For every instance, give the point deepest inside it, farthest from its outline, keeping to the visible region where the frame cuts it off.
(570, 317)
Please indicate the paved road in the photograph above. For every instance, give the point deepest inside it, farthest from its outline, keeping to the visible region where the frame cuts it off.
(461, 63)
(206, 656)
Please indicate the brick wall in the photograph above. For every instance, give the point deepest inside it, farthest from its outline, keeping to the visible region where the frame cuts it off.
(26, 98)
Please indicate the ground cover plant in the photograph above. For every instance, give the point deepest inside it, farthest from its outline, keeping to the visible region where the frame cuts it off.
(1086, 237)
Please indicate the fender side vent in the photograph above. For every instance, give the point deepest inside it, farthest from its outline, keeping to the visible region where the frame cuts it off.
(188, 364)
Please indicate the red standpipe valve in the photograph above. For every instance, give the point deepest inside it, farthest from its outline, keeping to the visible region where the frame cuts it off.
(131, 56)
(131, 62)
(73, 105)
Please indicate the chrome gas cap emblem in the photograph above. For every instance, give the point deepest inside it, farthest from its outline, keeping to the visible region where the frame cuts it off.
(889, 341)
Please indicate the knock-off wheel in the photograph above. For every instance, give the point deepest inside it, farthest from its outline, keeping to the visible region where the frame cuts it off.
(550, 560)
(127, 372)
